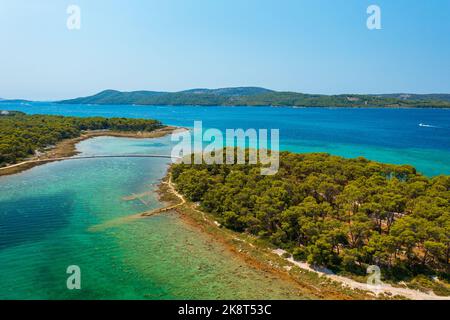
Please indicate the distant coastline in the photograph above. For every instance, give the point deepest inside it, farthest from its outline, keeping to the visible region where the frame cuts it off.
(29, 103)
(257, 97)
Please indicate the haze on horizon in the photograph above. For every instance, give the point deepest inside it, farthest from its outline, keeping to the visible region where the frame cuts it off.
(310, 46)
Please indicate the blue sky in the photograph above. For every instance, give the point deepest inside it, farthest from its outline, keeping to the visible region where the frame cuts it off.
(312, 46)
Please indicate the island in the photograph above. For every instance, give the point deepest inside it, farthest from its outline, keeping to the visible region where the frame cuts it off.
(255, 96)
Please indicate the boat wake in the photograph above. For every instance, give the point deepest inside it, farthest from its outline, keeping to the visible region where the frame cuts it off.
(427, 125)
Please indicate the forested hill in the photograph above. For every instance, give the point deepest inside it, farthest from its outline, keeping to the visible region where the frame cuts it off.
(253, 96)
(22, 135)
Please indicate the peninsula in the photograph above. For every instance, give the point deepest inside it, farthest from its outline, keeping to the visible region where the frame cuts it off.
(29, 140)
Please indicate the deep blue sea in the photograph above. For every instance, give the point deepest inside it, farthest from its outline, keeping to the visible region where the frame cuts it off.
(419, 137)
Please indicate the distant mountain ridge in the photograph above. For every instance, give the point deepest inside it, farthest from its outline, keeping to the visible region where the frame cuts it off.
(256, 96)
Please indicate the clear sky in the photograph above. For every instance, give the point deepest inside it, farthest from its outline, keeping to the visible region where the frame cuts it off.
(312, 46)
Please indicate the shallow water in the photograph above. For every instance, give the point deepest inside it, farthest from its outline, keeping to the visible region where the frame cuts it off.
(48, 220)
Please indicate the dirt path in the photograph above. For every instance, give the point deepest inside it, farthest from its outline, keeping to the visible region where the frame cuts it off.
(168, 208)
(382, 288)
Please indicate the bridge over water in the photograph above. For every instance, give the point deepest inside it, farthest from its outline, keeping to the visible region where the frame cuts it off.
(165, 156)
(109, 156)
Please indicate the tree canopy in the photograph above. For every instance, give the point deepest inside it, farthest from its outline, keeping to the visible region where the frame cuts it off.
(340, 213)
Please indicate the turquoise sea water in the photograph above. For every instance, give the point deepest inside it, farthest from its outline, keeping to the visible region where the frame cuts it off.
(54, 216)
(419, 137)
(59, 214)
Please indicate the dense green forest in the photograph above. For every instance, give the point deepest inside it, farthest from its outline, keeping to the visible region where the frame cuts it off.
(344, 214)
(21, 135)
(251, 96)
